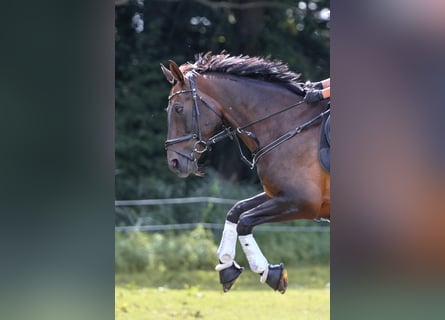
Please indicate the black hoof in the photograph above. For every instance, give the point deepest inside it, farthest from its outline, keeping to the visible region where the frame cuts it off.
(227, 277)
(277, 277)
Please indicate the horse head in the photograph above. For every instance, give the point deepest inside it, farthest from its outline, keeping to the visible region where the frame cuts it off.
(192, 120)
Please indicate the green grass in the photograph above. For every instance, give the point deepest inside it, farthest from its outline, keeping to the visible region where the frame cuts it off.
(192, 303)
(198, 295)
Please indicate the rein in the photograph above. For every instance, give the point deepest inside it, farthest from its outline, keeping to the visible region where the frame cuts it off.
(201, 146)
(262, 151)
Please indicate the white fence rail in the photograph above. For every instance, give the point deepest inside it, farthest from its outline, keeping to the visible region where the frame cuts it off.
(153, 202)
(185, 226)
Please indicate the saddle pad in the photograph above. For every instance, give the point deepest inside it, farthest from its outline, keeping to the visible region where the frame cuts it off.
(325, 142)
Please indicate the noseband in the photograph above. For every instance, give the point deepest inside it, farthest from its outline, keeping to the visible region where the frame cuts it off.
(200, 145)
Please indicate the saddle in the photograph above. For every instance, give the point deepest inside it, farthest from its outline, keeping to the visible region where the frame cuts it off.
(325, 142)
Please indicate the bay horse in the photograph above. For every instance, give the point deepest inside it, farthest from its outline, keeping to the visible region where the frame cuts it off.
(258, 101)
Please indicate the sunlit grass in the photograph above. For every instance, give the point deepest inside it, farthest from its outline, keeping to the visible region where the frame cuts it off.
(198, 294)
(192, 303)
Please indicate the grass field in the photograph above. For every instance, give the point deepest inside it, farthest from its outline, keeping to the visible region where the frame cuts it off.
(198, 295)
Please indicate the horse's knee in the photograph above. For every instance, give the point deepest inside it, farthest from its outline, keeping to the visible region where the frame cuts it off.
(235, 212)
(243, 229)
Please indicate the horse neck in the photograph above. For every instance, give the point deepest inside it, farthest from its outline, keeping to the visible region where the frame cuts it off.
(242, 101)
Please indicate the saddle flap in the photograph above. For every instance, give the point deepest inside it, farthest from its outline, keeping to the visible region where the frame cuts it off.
(325, 142)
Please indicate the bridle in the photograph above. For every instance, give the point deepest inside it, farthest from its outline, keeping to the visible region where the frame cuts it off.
(200, 145)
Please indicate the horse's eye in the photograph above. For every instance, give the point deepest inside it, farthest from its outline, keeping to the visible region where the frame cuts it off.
(179, 109)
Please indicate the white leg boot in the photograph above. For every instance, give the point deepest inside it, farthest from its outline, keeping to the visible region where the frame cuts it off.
(227, 246)
(257, 262)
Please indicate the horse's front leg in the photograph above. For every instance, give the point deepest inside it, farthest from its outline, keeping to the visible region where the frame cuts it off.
(228, 269)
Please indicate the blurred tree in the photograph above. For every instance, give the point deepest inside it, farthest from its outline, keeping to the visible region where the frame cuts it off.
(151, 32)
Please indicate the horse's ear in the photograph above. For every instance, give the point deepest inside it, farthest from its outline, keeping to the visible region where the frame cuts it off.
(174, 69)
(168, 75)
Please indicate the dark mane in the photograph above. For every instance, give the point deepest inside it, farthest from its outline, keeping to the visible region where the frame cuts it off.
(252, 67)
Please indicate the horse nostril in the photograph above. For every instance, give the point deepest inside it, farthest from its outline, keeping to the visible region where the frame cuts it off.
(175, 163)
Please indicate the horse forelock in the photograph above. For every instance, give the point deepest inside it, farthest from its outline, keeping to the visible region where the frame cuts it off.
(261, 68)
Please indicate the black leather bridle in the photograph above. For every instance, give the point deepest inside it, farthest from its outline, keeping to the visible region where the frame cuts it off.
(200, 145)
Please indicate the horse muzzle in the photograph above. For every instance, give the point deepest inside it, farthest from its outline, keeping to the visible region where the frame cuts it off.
(180, 165)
